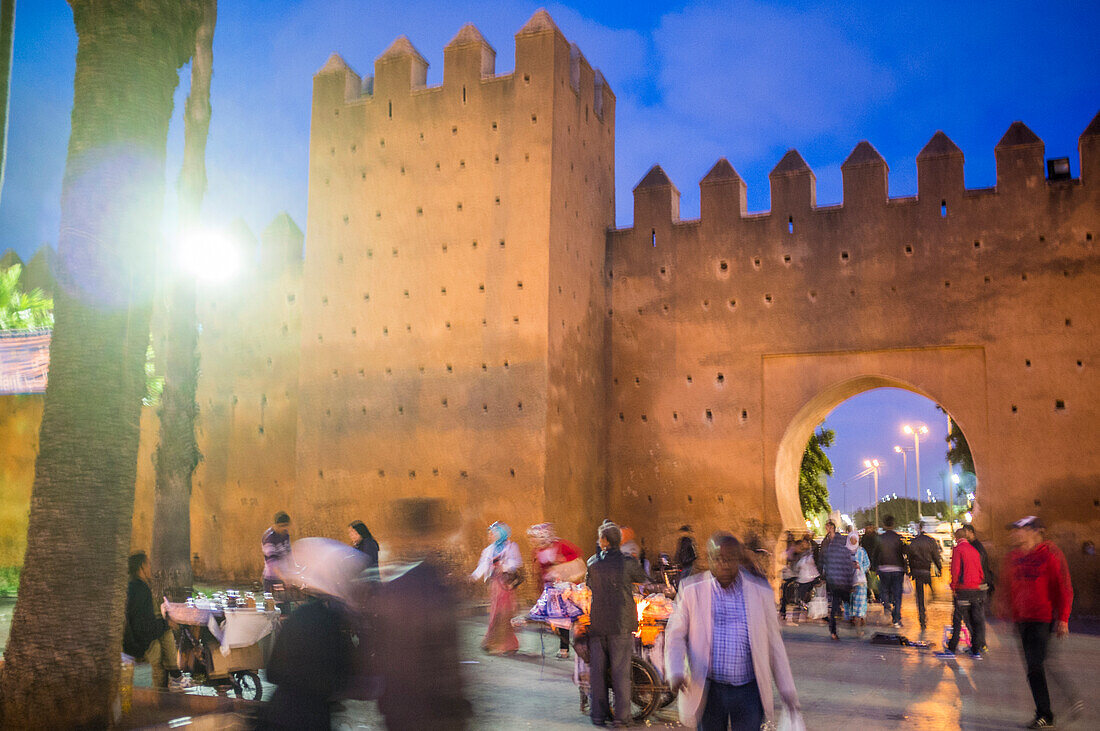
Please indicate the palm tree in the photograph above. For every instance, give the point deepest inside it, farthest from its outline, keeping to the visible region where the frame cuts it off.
(177, 451)
(813, 494)
(62, 659)
(21, 310)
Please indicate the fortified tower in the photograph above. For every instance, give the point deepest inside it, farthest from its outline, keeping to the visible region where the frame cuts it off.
(453, 296)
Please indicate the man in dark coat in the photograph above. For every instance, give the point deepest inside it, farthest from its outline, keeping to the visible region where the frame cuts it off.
(614, 617)
(890, 564)
(416, 631)
(923, 553)
(869, 542)
(146, 636)
(310, 663)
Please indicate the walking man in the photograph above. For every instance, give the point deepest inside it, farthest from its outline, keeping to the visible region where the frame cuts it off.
(890, 564)
(988, 577)
(839, 568)
(723, 646)
(614, 617)
(1040, 595)
(924, 553)
(966, 582)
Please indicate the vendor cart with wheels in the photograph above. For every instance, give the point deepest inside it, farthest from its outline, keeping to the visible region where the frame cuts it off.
(649, 690)
(224, 648)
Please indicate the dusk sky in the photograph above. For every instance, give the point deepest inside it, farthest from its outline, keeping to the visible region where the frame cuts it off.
(694, 81)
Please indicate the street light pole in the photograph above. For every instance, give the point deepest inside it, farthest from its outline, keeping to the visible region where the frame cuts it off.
(872, 468)
(904, 452)
(916, 431)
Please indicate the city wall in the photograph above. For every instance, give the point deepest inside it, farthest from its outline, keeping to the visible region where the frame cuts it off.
(466, 323)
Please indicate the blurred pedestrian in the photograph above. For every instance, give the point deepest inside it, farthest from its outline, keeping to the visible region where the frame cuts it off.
(362, 541)
(500, 565)
(723, 647)
(923, 553)
(830, 534)
(966, 582)
(275, 545)
(614, 617)
(416, 630)
(807, 575)
(869, 542)
(839, 569)
(312, 659)
(1040, 595)
(890, 564)
(556, 561)
(856, 606)
(989, 577)
(685, 556)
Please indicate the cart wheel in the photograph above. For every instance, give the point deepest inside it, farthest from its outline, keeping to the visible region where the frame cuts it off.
(647, 689)
(246, 684)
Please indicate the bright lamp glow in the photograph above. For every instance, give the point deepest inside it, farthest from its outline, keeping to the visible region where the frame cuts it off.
(208, 255)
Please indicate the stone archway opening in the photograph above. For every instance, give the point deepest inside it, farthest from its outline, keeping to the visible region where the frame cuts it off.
(940, 485)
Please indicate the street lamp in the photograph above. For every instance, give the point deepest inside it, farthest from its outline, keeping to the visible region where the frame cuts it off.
(872, 469)
(916, 430)
(904, 452)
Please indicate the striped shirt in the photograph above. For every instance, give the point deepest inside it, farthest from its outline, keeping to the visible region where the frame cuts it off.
(730, 656)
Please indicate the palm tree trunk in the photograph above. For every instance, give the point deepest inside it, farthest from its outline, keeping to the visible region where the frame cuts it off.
(177, 451)
(62, 658)
(7, 37)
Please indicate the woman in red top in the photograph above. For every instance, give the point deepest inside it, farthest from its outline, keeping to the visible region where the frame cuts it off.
(556, 561)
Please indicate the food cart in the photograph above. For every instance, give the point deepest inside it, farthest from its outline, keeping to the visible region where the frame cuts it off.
(224, 641)
(649, 688)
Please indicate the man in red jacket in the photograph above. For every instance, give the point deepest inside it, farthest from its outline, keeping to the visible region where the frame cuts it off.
(966, 582)
(1039, 598)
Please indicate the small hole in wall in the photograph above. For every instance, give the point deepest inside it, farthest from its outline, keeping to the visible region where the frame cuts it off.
(527, 78)
(844, 256)
(977, 244)
(756, 263)
(744, 415)
(988, 279)
(645, 418)
(908, 249)
(519, 406)
(706, 304)
(1059, 405)
(1027, 363)
(675, 416)
(812, 295)
(689, 379)
(767, 299)
(463, 474)
(787, 259)
(947, 284)
(485, 408)
(1069, 322)
(720, 378)
(732, 304)
(1014, 408)
(1080, 364)
(621, 417)
(709, 415)
(723, 266)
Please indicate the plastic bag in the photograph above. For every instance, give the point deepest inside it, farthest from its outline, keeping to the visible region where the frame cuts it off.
(790, 720)
(907, 586)
(818, 608)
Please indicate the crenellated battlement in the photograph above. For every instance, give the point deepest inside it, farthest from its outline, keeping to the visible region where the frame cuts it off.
(940, 184)
(469, 69)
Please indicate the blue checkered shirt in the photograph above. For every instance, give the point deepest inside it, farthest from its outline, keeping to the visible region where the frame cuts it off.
(730, 656)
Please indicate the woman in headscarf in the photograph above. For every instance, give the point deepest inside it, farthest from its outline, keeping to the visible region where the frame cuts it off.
(855, 608)
(557, 561)
(363, 541)
(500, 565)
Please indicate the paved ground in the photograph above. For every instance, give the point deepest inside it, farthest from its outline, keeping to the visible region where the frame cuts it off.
(847, 684)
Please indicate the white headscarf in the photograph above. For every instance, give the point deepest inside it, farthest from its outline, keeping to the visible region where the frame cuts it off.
(853, 541)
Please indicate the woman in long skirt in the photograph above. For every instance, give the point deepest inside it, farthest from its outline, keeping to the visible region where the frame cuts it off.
(855, 608)
(500, 565)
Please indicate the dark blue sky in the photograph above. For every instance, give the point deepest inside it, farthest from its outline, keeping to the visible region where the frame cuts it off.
(694, 80)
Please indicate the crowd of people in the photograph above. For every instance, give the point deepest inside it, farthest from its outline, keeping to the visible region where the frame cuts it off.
(397, 641)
